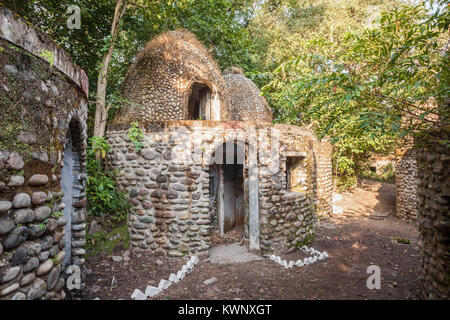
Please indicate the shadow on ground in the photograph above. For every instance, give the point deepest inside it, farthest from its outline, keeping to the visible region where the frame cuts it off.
(352, 240)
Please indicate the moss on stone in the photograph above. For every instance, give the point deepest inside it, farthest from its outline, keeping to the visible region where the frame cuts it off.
(100, 242)
(23, 105)
(307, 240)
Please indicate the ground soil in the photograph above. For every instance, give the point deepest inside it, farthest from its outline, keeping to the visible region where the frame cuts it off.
(353, 240)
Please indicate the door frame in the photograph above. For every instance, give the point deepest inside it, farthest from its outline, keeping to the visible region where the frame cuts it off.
(253, 197)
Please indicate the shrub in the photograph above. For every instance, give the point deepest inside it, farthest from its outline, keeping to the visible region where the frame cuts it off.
(99, 145)
(135, 134)
(387, 174)
(105, 199)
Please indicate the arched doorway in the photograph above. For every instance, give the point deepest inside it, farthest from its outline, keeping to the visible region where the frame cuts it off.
(227, 185)
(199, 105)
(69, 183)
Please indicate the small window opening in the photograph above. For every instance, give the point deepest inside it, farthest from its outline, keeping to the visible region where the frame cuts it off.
(296, 174)
(199, 105)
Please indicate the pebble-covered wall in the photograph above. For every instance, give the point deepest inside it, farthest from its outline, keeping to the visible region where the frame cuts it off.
(433, 163)
(159, 82)
(323, 179)
(170, 189)
(242, 99)
(177, 203)
(406, 186)
(41, 105)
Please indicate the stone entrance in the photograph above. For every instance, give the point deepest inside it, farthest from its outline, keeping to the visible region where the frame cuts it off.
(70, 184)
(66, 186)
(200, 102)
(231, 195)
(233, 253)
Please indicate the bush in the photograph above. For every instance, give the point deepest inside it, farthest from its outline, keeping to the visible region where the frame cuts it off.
(387, 174)
(105, 199)
(345, 183)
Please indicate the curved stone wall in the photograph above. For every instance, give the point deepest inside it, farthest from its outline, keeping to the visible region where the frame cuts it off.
(323, 177)
(406, 174)
(41, 228)
(433, 162)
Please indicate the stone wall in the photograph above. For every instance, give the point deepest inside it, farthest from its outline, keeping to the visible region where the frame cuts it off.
(287, 217)
(406, 186)
(39, 105)
(323, 177)
(433, 167)
(169, 186)
(287, 220)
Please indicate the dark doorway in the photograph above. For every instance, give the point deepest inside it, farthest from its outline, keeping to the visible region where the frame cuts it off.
(227, 179)
(199, 105)
(233, 193)
(69, 184)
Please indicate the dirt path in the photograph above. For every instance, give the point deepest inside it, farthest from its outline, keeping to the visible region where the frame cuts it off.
(352, 240)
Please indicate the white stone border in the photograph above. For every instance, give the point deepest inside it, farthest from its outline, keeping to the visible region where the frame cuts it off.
(151, 291)
(317, 255)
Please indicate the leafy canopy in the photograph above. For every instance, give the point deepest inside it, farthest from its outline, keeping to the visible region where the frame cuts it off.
(369, 87)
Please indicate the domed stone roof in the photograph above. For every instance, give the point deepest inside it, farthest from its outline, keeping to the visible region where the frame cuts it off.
(172, 67)
(243, 100)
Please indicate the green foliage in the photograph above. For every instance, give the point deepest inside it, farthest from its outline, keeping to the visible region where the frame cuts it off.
(403, 240)
(43, 224)
(307, 240)
(115, 102)
(346, 182)
(57, 215)
(47, 55)
(362, 78)
(284, 29)
(105, 199)
(219, 24)
(370, 87)
(387, 174)
(135, 134)
(99, 145)
(107, 242)
(54, 259)
(15, 48)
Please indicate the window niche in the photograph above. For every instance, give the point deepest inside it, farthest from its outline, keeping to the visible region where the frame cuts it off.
(199, 105)
(296, 172)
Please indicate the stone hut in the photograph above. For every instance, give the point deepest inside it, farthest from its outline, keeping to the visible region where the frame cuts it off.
(243, 100)
(190, 177)
(43, 110)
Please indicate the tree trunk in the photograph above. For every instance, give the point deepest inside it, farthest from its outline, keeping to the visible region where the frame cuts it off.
(101, 110)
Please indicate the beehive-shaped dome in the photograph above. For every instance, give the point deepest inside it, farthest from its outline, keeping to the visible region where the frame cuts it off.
(243, 100)
(173, 78)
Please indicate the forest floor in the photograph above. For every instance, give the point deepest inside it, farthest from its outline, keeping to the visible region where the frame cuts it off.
(365, 234)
